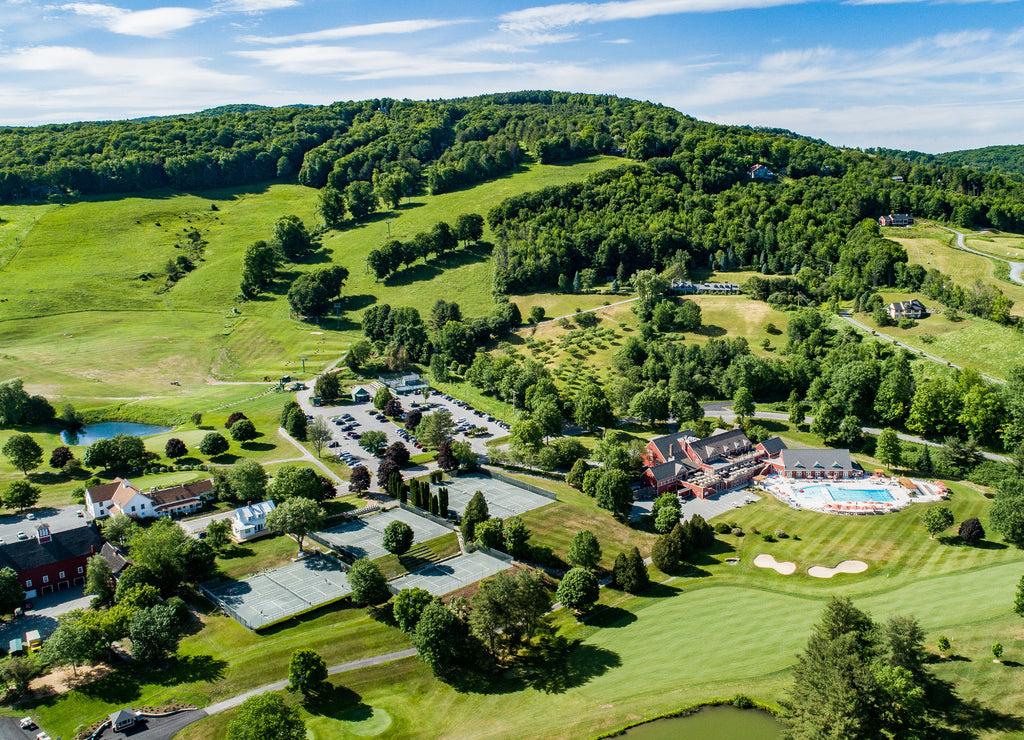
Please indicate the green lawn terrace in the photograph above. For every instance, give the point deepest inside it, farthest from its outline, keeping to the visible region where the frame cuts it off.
(113, 333)
(969, 342)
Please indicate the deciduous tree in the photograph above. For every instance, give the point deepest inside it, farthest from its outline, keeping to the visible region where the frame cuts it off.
(578, 590)
(23, 452)
(297, 516)
(409, 606)
(398, 537)
(368, 584)
(307, 672)
(20, 495)
(266, 717)
(584, 550)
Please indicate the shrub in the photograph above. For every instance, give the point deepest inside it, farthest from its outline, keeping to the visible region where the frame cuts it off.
(781, 534)
(736, 532)
(722, 528)
(767, 537)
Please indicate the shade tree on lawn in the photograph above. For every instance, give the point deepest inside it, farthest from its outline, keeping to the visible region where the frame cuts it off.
(243, 430)
(307, 672)
(578, 590)
(319, 433)
(584, 550)
(369, 587)
(213, 444)
(175, 448)
(266, 717)
(297, 516)
(24, 452)
(20, 495)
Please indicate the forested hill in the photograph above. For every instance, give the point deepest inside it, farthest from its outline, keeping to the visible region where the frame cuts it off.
(1008, 159)
(439, 145)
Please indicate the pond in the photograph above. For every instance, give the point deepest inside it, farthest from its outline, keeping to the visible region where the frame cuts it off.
(108, 429)
(712, 723)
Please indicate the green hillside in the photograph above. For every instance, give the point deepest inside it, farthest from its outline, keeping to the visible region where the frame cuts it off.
(95, 329)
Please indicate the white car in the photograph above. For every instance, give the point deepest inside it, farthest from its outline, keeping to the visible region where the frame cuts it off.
(22, 536)
(42, 736)
(30, 516)
(28, 724)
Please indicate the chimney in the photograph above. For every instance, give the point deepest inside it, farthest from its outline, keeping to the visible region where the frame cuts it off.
(43, 534)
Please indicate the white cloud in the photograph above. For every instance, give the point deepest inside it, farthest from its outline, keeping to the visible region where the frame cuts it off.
(569, 14)
(152, 23)
(348, 32)
(353, 63)
(255, 6)
(618, 41)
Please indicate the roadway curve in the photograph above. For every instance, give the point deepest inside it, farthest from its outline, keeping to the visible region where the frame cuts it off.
(1016, 268)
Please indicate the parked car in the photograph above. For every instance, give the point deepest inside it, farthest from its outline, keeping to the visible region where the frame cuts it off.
(22, 536)
(30, 516)
(28, 724)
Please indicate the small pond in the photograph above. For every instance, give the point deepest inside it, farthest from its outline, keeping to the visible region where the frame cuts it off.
(712, 723)
(108, 429)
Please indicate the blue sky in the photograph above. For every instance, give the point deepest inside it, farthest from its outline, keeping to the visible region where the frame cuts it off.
(932, 76)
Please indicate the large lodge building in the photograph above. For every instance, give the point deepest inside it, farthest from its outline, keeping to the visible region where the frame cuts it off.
(728, 459)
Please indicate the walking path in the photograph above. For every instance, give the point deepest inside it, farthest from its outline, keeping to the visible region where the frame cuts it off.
(845, 314)
(310, 457)
(1016, 268)
(234, 701)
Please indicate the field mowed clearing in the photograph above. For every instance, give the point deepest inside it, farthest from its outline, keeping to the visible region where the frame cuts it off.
(105, 326)
(933, 247)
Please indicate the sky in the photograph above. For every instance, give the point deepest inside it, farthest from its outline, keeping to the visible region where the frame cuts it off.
(929, 75)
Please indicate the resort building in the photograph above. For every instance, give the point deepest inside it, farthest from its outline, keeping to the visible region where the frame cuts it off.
(703, 467)
(121, 497)
(834, 464)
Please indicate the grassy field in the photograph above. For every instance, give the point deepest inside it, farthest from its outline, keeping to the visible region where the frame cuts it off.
(982, 345)
(705, 636)
(1005, 246)
(934, 247)
(56, 332)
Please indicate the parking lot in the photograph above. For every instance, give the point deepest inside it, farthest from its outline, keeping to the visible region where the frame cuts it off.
(364, 418)
(58, 520)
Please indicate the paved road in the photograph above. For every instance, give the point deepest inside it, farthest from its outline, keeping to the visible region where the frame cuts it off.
(310, 457)
(234, 701)
(1016, 268)
(724, 409)
(156, 728)
(845, 314)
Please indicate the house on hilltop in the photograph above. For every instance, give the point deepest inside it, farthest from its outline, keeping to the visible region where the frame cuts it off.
(760, 172)
(121, 497)
(896, 219)
(912, 309)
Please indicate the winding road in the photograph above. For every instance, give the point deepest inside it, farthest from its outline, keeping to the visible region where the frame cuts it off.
(1016, 268)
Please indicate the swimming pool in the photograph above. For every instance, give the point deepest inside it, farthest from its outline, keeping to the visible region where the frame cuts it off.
(823, 493)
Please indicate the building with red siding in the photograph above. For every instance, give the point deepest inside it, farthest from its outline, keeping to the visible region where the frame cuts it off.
(51, 562)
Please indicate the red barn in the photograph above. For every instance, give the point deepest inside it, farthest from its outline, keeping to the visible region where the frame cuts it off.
(51, 562)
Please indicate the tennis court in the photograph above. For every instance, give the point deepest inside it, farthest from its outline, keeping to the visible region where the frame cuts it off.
(452, 574)
(274, 595)
(364, 537)
(503, 499)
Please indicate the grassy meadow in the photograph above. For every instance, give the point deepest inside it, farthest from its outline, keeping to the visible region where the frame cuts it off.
(933, 247)
(103, 328)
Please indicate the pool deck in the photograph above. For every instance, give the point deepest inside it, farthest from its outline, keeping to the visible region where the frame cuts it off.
(787, 490)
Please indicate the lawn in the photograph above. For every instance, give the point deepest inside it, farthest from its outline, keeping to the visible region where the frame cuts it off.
(439, 548)
(242, 560)
(78, 339)
(982, 345)
(698, 639)
(1005, 246)
(933, 247)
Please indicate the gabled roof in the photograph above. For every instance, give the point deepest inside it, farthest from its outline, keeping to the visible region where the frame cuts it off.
(122, 715)
(114, 558)
(726, 443)
(125, 492)
(246, 515)
(772, 446)
(67, 545)
(179, 494)
(671, 469)
(664, 444)
(830, 460)
(105, 491)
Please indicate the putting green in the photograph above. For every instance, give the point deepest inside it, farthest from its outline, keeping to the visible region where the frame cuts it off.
(362, 722)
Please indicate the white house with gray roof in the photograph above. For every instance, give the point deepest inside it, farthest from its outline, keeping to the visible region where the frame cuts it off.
(250, 522)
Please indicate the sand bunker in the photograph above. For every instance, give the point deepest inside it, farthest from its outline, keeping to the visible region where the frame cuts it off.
(847, 566)
(786, 568)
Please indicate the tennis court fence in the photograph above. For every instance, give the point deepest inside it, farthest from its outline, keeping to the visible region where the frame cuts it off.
(490, 473)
